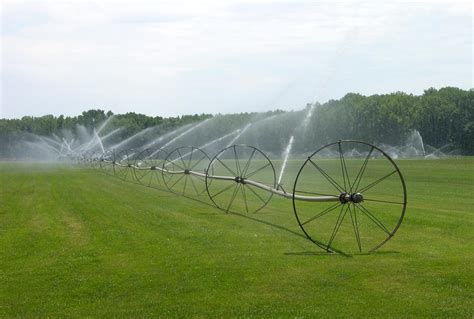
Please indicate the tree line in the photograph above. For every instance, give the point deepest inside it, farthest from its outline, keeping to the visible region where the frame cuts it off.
(443, 117)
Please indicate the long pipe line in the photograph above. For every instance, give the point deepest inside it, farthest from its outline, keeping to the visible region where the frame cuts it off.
(244, 181)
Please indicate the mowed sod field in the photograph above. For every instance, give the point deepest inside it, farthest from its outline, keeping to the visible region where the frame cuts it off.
(75, 242)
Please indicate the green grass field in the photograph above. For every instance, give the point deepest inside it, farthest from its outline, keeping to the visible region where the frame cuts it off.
(76, 242)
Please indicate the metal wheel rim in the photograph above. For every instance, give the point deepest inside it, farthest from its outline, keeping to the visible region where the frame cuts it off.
(147, 156)
(209, 180)
(123, 163)
(182, 163)
(396, 170)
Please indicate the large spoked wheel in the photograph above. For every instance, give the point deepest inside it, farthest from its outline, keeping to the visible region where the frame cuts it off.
(240, 175)
(366, 192)
(123, 167)
(148, 165)
(106, 162)
(184, 171)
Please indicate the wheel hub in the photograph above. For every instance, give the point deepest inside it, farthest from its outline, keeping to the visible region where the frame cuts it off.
(354, 197)
(239, 179)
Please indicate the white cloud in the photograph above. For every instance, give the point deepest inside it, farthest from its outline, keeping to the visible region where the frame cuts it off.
(121, 51)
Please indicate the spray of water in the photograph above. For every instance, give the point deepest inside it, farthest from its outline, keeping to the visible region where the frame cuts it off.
(103, 125)
(239, 135)
(217, 140)
(131, 138)
(287, 152)
(417, 140)
(68, 146)
(165, 136)
(106, 136)
(43, 146)
(50, 141)
(308, 116)
(185, 132)
(286, 155)
(99, 141)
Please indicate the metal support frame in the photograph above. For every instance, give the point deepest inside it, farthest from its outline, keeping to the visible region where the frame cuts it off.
(349, 197)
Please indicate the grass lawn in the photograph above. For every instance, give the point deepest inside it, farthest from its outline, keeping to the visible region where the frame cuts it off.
(75, 242)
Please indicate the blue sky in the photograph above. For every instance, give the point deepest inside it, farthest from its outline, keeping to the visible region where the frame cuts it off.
(179, 57)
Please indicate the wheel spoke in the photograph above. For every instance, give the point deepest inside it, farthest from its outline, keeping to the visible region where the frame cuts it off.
(223, 164)
(373, 218)
(383, 201)
(190, 158)
(258, 170)
(222, 191)
(196, 164)
(194, 186)
(157, 179)
(324, 212)
(146, 173)
(181, 157)
(237, 164)
(338, 224)
(366, 188)
(180, 178)
(248, 162)
(355, 225)
(233, 197)
(359, 176)
(255, 193)
(345, 175)
(245, 199)
(173, 162)
(185, 183)
(331, 180)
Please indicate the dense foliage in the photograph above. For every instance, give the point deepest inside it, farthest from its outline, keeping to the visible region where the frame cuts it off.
(443, 117)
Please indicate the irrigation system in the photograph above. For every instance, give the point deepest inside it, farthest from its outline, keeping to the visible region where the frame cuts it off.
(348, 180)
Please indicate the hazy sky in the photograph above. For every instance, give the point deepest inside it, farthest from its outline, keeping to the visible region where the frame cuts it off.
(179, 57)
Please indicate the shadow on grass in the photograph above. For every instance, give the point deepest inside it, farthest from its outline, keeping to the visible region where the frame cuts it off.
(340, 254)
(314, 253)
(205, 201)
(387, 252)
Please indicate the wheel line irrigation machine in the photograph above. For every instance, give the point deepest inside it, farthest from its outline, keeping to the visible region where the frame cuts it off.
(347, 180)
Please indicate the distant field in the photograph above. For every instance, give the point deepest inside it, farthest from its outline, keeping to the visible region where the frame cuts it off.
(76, 242)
